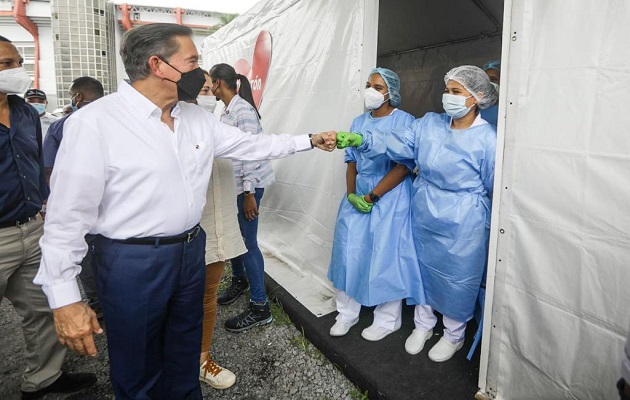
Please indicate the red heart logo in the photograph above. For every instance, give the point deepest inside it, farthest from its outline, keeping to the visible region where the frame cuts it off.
(257, 73)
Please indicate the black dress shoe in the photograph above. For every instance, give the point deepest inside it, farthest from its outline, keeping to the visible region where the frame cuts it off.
(66, 383)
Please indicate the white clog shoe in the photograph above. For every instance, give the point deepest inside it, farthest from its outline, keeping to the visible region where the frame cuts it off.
(415, 342)
(444, 350)
(341, 328)
(374, 333)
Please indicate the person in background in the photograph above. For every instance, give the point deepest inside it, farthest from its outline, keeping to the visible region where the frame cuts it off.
(133, 170)
(206, 99)
(248, 270)
(22, 191)
(83, 91)
(37, 99)
(493, 70)
(373, 257)
(455, 154)
(624, 383)
(223, 242)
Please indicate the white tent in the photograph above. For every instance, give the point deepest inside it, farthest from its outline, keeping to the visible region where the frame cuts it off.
(559, 268)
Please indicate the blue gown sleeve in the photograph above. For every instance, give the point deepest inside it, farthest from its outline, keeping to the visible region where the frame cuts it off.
(399, 145)
(487, 165)
(350, 154)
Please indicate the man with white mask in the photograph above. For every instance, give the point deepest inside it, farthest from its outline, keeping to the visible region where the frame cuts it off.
(22, 190)
(37, 99)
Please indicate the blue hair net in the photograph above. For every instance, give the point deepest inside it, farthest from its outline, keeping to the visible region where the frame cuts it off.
(393, 84)
(494, 64)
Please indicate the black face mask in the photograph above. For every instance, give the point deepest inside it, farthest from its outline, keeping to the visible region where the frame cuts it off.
(189, 84)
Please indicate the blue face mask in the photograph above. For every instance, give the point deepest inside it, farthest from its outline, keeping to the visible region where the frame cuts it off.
(455, 106)
(40, 107)
(74, 106)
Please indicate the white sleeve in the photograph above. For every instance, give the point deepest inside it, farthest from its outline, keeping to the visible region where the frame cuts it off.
(230, 142)
(77, 186)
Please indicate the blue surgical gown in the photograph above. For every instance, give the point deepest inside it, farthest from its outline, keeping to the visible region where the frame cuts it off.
(491, 114)
(450, 206)
(373, 256)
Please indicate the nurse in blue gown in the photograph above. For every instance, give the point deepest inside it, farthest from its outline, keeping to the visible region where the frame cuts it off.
(455, 154)
(493, 70)
(373, 258)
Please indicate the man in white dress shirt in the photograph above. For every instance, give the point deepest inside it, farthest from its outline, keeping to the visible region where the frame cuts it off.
(133, 169)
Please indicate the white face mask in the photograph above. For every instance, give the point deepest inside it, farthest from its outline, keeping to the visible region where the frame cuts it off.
(14, 81)
(373, 98)
(207, 102)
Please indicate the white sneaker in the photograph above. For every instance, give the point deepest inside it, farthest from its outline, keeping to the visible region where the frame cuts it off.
(341, 328)
(374, 333)
(415, 342)
(216, 376)
(444, 350)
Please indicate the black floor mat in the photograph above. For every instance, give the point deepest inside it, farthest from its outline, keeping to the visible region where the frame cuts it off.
(383, 368)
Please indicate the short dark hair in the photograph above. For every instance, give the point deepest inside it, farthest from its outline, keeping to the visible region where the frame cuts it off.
(139, 44)
(88, 86)
(3, 39)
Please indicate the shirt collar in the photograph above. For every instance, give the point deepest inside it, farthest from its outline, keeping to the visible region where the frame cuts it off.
(478, 121)
(231, 106)
(145, 106)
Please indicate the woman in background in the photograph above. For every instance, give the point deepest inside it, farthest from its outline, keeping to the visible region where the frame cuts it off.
(252, 177)
(223, 242)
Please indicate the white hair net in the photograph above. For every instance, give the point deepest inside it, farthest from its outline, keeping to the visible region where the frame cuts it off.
(476, 81)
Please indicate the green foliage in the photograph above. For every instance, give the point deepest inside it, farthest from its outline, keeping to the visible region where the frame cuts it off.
(356, 394)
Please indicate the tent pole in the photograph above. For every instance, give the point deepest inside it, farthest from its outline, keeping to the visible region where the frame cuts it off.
(442, 44)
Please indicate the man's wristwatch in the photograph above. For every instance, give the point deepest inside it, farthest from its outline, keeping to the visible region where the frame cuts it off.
(310, 137)
(373, 197)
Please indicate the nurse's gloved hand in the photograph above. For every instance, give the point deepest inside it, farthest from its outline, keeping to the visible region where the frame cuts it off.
(359, 203)
(348, 139)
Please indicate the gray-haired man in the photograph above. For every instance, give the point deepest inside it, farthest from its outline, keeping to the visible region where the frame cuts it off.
(133, 169)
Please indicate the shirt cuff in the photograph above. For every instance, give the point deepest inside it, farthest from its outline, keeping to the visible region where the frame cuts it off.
(302, 143)
(62, 294)
(248, 186)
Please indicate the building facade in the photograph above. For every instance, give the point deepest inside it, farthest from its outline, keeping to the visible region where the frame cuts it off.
(62, 40)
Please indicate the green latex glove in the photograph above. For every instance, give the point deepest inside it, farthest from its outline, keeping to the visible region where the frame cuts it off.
(359, 203)
(348, 139)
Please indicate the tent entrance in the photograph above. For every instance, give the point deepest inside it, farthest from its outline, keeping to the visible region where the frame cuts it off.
(422, 40)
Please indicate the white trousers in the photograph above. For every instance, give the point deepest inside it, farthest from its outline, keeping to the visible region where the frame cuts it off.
(386, 315)
(425, 319)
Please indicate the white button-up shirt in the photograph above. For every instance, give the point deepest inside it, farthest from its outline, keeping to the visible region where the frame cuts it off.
(46, 120)
(121, 172)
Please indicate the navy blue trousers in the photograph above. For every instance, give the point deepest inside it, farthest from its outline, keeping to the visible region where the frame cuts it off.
(152, 299)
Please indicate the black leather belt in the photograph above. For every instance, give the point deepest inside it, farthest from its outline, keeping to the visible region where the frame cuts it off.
(185, 237)
(18, 223)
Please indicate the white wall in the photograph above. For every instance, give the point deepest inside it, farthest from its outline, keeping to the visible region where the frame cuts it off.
(315, 84)
(559, 269)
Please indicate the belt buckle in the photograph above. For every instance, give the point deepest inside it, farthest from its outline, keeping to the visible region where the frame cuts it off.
(192, 234)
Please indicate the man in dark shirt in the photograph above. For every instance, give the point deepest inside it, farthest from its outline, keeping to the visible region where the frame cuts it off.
(22, 191)
(83, 91)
